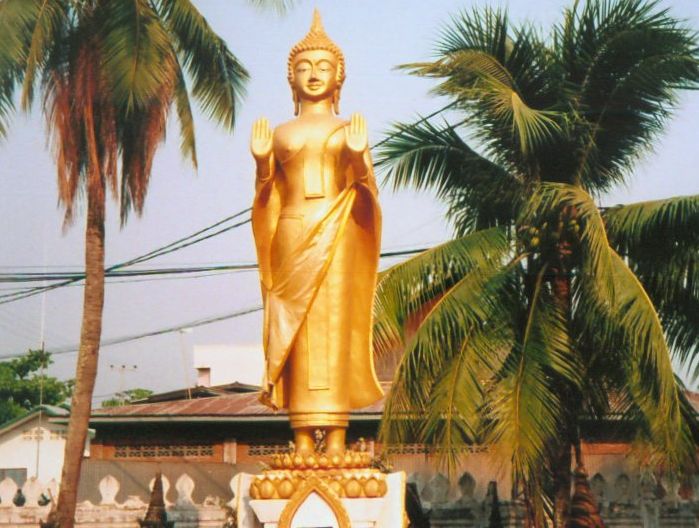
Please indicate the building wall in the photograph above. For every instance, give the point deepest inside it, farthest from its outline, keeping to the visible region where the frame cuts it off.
(18, 449)
(230, 363)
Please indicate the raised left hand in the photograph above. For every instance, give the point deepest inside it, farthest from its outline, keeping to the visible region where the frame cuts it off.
(357, 137)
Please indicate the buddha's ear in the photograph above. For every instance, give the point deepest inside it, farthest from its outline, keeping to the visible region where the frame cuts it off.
(295, 98)
(336, 100)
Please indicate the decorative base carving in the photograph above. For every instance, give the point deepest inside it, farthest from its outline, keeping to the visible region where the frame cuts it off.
(315, 503)
(350, 488)
(344, 483)
(320, 460)
(347, 475)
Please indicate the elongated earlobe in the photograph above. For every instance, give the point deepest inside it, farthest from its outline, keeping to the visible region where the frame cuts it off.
(336, 101)
(297, 105)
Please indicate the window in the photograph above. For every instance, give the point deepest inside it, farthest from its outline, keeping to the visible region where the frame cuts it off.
(164, 451)
(204, 377)
(58, 434)
(34, 434)
(422, 449)
(19, 475)
(267, 449)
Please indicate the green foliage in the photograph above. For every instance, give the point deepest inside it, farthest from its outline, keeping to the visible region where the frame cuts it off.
(109, 73)
(546, 308)
(22, 385)
(127, 397)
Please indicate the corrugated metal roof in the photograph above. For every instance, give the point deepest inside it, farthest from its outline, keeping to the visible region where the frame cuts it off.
(49, 410)
(238, 406)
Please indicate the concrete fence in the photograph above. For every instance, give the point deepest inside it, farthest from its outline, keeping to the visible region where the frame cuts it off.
(24, 506)
(625, 501)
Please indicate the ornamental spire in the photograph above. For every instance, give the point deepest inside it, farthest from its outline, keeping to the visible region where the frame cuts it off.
(317, 39)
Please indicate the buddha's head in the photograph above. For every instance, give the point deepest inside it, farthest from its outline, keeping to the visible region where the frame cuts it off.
(316, 67)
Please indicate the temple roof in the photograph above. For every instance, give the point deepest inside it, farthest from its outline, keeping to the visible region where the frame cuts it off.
(213, 406)
(232, 407)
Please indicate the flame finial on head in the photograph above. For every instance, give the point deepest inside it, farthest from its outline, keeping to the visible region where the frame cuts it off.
(317, 24)
(317, 39)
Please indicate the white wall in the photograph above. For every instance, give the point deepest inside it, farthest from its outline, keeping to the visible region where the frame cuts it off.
(229, 363)
(17, 450)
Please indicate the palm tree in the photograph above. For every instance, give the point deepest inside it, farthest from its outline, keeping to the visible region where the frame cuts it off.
(545, 309)
(109, 74)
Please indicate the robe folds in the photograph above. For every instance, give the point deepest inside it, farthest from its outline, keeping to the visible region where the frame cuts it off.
(320, 288)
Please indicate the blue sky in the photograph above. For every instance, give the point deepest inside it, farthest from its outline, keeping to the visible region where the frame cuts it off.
(375, 37)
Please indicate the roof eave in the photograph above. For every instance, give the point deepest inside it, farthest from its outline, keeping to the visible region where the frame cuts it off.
(204, 419)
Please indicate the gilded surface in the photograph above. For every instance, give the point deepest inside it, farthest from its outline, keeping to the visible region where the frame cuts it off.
(314, 485)
(317, 226)
(346, 483)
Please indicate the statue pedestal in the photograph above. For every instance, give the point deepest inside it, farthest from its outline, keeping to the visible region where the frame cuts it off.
(318, 499)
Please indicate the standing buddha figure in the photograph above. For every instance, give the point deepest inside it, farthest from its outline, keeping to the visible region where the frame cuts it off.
(317, 224)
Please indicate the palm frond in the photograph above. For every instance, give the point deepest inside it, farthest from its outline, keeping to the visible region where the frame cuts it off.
(654, 226)
(48, 21)
(279, 6)
(407, 290)
(484, 30)
(479, 193)
(27, 27)
(624, 61)
(503, 77)
(660, 240)
(188, 145)
(136, 54)
(447, 344)
(454, 418)
(487, 88)
(525, 409)
(632, 326)
(218, 77)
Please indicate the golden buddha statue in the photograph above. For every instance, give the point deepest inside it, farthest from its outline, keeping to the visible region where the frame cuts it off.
(317, 225)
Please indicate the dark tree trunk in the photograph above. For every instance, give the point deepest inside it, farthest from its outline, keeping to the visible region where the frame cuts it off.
(562, 481)
(86, 370)
(562, 452)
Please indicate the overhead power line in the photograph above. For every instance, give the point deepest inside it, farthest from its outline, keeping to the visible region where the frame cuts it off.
(198, 236)
(191, 324)
(162, 331)
(115, 273)
(177, 244)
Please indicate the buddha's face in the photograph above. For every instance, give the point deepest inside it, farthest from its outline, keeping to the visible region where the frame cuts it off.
(315, 75)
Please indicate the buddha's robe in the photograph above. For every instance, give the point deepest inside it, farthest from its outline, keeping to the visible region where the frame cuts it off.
(318, 266)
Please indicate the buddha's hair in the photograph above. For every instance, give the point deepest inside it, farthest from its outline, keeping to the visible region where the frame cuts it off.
(317, 39)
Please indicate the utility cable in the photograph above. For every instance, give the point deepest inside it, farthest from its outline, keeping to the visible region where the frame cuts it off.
(115, 273)
(164, 250)
(191, 324)
(178, 244)
(162, 331)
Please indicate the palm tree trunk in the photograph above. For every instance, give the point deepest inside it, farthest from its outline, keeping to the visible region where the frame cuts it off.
(562, 475)
(86, 371)
(562, 482)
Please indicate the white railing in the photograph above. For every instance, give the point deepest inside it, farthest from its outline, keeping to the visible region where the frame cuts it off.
(25, 506)
(625, 500)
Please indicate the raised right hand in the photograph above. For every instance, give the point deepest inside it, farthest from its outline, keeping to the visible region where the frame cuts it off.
(261, 140)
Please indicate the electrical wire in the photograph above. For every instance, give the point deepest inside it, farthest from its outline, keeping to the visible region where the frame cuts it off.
(164, 250)
(162, 331)
(192, 324)
(114, 273)
(173, 246)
